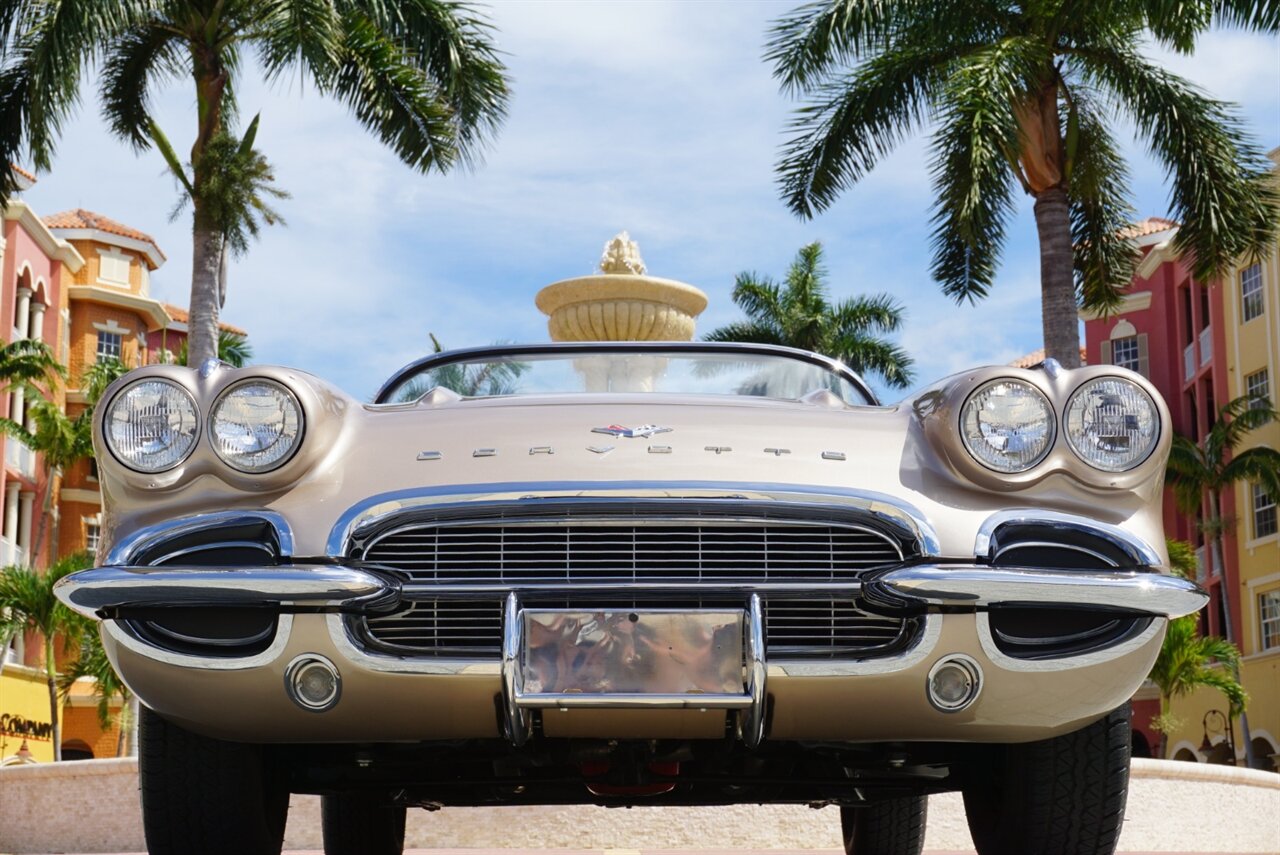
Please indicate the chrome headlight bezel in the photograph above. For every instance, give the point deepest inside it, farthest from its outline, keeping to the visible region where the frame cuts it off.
(119, 399)
(1050, 423)
(291, 452)
(1158, 426)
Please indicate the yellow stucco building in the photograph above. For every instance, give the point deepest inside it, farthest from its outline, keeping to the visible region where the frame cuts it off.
(1251, 314)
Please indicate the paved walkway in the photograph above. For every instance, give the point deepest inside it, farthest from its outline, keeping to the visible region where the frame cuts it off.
(669, 852)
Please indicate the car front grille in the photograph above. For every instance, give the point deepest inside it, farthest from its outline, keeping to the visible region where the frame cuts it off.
(815, 626)
(456, 574)
(713, 552)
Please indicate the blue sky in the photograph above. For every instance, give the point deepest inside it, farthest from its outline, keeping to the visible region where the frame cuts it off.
(654, 117)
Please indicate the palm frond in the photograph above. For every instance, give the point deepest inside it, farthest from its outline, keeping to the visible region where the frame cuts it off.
(1100, 210)
(1190, 474)
(1236, 418)
(807, 42)
(1259, 465)
(747, 331)
(760, 299)
(393, 99)
(879, 312)
(451, 42)
(867, 355)
(134, 61)
(1222, 192)
(293, 33)
(854, 121)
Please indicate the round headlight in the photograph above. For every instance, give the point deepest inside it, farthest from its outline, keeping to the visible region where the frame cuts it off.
(1007, 425)
(256, 426)
(1112, 424)
(151, 426)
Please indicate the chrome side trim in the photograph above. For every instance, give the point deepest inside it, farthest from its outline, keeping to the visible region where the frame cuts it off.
(91, 591)
(340, 635)
(123, 552)
(982, 586)
(284, 627)
(895, 512)
(1065, 663)
(924, 645)
(1140, 551)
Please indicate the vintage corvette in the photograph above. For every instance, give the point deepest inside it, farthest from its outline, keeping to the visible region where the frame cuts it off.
(624, 573)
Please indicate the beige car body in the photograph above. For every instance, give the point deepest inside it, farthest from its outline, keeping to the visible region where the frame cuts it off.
(904, 464)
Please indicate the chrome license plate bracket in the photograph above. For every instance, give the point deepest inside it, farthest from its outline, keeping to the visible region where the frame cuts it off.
(633, 659)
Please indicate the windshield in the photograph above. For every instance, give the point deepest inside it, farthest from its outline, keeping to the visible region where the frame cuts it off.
(739, 373)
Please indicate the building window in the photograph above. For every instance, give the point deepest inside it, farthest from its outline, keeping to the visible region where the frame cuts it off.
(1264, 513)
(92, 533)
(109, 346)
(1251, 291)
(113, 267)
(1269, 615)
(1124, 352)
(1257, 388)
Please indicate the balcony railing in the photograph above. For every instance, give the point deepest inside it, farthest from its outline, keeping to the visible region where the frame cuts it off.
(19, 458)
(1206, 345)
(1189, 361)
(11, 553)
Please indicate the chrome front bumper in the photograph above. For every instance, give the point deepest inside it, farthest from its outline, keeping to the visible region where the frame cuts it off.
(102, 591)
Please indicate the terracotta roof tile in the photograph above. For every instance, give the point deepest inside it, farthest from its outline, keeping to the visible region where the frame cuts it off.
(181, 315)
(79, 218)
(24, 173)
(1035, 357)
(1149, 226)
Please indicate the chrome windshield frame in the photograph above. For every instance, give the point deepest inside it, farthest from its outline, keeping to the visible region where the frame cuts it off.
(472, 354)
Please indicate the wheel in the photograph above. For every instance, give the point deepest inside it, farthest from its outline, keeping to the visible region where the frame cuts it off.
(890, 827)
(1061, 796)
(362, 824)
(203, 796)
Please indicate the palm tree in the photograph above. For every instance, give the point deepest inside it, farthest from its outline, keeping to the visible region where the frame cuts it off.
(28, 595)
(1026, 95)
(97, 377)
(1188, 661)
(421, 75)
(799, 314)
(60, 441)
(1199, 475)
(91, 661)
(28, 364)
(233, 349)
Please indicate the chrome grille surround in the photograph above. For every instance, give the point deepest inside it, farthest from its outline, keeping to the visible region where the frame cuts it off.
(806, 562)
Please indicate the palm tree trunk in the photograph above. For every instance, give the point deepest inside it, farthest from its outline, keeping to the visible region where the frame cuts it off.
(1058, 312)
(1220, 568)
(51, 678)
(202, 334)
(1163, 748)
(46, 508)
(206, 255)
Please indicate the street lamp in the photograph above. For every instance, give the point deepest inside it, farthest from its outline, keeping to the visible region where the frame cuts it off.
(1223, 752)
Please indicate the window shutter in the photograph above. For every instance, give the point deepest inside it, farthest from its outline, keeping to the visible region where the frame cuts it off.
(1106, 352)
(1144, 363)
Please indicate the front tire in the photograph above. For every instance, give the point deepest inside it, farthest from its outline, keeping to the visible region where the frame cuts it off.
(203, 796)
(889, 827)
(361, 823)
(1060, 796)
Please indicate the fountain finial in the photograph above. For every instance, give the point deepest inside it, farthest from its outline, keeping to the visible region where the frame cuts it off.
(622, 255)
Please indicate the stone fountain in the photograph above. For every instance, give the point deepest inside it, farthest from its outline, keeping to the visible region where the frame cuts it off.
(621, 302)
